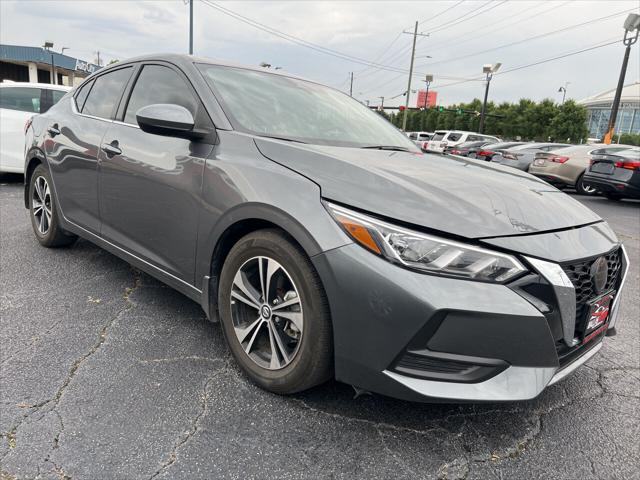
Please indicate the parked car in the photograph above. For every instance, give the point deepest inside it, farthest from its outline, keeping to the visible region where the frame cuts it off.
(489, 150)
(419, 137)
(466, 149)
(20, 101)
(521, 156)
(565, 167)
(450, 138)
(321, 238)
(615, 175)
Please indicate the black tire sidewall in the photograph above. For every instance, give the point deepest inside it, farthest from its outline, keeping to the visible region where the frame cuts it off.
(56, 236)
(312, 355)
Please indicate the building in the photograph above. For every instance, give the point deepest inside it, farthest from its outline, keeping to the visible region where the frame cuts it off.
(599, 111)
(36, 64)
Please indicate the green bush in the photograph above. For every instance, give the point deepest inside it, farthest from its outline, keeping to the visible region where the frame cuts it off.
(526, 120)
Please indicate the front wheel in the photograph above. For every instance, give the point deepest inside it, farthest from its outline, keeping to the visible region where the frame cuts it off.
(274, 313)
(43, 212)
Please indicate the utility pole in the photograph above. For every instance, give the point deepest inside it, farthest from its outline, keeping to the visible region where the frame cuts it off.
(190, 27)
(413, 56)
(351, 86)
(631, 24)
(381, 102)
(489, 70)
(98, 58)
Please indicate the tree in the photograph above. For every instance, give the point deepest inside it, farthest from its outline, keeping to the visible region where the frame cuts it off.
(570, 123)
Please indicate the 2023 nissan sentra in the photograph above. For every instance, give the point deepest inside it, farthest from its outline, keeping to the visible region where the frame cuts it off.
(322, 239)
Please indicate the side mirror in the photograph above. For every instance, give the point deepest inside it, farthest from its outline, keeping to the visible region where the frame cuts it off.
(166, 119)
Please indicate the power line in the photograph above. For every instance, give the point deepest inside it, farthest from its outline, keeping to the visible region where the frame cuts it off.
(441, 13)
(466, 39)
(463, 19)
(535, 37)
(539, 62)
(299, 41)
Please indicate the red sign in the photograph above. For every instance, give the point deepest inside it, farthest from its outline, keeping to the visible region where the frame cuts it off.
(431, 98)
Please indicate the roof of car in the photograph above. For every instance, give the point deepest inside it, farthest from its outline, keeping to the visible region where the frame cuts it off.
(49, 86)
(181, 59)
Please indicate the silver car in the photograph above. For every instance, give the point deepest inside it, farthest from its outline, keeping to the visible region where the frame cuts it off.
(521, 156)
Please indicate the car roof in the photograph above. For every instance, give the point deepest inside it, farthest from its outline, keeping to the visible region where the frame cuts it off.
(48, 86)
(184, 60)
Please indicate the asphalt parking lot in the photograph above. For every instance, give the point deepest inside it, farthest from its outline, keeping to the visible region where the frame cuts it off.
(107, 374)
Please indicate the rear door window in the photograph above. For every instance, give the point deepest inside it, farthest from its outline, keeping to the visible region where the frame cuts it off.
(106, 92)
(23, 99)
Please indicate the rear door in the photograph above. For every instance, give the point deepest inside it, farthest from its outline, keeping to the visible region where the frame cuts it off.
(150, 184)
(73, 142)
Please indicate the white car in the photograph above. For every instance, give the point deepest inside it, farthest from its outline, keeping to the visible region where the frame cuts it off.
(19, 101)
(443, 139)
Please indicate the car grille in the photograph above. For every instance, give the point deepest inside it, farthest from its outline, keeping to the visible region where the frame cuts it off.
(580, 276)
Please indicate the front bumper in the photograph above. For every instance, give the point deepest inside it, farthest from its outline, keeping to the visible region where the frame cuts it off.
(481, 341)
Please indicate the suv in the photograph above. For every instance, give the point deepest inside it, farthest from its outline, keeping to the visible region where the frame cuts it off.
(18, 103)
(446, 139)
(420, 138)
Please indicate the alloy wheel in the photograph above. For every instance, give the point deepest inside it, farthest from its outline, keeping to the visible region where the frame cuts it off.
(41, 205)
(267, 313)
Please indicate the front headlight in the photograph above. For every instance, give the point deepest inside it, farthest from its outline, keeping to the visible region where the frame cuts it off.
(425, 252)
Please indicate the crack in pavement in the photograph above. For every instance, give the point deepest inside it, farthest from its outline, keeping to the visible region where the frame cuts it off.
(195, 425)
(55, 400)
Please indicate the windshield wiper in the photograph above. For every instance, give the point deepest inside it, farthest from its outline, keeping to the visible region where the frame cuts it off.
(281, 138)
(387, 147)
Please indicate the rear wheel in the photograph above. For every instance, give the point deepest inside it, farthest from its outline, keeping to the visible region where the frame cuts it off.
(583, 189)
(43, 212)
(274, 313)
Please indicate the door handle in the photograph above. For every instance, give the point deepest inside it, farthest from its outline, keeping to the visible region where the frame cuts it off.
(111, 149)
(53, 130)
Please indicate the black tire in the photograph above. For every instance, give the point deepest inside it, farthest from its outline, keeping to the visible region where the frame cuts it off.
(613, 196)
(54, 235)
(582, 189)
(312, 363)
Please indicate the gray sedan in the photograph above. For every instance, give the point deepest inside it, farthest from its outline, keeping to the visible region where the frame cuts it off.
(323, 241)
(521, 156)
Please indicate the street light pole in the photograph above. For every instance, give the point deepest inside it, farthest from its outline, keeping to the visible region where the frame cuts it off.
(631, 24)
(489, 70)
(564, 90)
(351, 86)
(427, 80)
(190, 27)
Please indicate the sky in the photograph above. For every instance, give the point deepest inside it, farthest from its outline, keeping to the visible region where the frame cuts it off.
(325, 41)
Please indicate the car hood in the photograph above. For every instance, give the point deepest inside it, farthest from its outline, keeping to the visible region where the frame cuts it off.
(468, 198)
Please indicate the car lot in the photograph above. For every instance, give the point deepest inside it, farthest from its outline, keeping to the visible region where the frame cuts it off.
(106, 373)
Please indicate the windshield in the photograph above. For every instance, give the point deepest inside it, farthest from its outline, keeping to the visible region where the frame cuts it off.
(273, 105)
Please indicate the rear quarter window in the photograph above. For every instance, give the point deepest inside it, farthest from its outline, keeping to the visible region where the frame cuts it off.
(454, 137)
